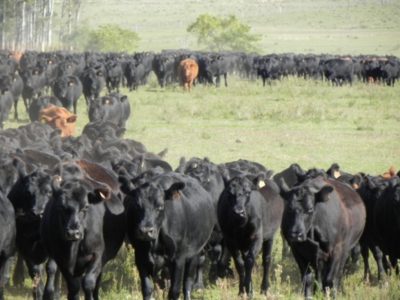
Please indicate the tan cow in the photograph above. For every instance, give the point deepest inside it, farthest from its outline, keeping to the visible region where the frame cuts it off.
(188, 72)
(59, 117)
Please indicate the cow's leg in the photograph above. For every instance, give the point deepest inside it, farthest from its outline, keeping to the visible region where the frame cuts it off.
(239, 264)
(365, 255)
(176, 271)
(19, 276)
(16, 109)
(200, 259)
(73, 285)
(306, 274)
(189, 275)
(90, 279)
(266, 261)
(3, 263)
(378, 255)
(36, 272)
(51, 270)
(145, 268)
(225, 78)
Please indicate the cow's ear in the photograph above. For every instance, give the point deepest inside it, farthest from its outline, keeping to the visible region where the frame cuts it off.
(182, 164)
(173, 192)
(124, 98)
(99, 195)
(320, 188)
(126, 185)
(20, 166)
(72, 119)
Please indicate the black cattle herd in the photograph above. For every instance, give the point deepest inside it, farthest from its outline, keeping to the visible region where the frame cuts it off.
(67, 204)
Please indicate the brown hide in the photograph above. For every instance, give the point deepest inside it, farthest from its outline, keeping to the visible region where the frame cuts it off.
(188, 72)
(59, 117)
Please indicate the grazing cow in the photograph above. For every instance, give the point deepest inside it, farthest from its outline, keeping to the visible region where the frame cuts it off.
(60, 118)
(249, 214)
(322, 221)
(168, 218)
(68, 89)
(114, 108)
(83, 227)
(188, 72)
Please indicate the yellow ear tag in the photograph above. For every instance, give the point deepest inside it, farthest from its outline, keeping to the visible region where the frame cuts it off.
(336, 174)
(261, 184)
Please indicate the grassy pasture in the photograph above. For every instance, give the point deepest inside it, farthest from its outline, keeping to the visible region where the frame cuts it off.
(308, 122)
(320, 26)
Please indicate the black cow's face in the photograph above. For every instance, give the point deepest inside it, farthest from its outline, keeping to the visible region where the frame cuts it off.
(199, 169)
(73, 199)
(38, 186)
(240, 188)
(148, 205)
(300, 208)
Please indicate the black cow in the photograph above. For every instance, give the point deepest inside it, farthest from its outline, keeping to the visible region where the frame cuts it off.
(83, 227)
(14, 84)
(93, 83)
(338, 70)
(209, 176)
(213, 65)
(164, 68)
(34, 84)
(322, 221)
(7, 237)
(29, 197)
(249, 214)
(114, 108)
(114, 75)
(68, 89)
(168, 218)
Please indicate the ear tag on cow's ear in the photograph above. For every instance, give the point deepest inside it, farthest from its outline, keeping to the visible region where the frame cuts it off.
(261, 184)
(104, 197)
(71, 83)
(107, 101)
(195, 165)
(336, 174)
(355, 186)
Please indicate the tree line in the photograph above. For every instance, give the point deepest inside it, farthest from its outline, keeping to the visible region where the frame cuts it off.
(45, 25)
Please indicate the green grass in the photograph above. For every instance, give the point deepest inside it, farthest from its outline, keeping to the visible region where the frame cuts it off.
(308, 122)
(318, 26)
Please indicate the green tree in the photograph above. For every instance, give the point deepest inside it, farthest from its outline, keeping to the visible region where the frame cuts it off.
(223, 33)
(111, 38)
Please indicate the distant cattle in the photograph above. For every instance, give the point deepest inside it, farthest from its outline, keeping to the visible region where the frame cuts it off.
(322, 221)
(338, 70)
(188, 72)
(6, 102)
(60, 118)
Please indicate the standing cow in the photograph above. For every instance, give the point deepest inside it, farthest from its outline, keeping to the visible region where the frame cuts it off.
(322, 221)
(188, 72)
(169, 220)
(249, 214)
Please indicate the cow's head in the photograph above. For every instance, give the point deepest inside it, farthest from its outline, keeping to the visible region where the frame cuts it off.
(301, 203)
(147, 205)
(59, 117)
(73, 198)
(240, 189)
(31, 194)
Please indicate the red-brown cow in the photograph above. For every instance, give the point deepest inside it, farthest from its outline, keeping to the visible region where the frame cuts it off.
(59, 117)
(188, 72)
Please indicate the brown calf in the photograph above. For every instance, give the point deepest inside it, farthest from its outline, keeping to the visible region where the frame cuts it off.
(188, 72)
(59, 117)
